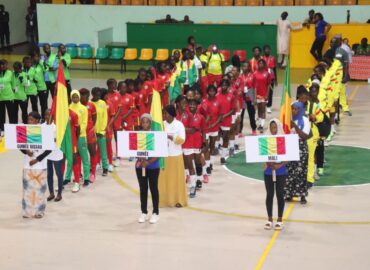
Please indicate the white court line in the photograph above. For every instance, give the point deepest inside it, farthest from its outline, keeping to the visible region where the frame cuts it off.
(320, 187)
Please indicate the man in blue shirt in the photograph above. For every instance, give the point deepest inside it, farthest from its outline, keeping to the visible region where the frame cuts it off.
(321, 30)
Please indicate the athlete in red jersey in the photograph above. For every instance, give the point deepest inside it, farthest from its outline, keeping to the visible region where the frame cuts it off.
(226, 101)
(271, 65)
(237, 90)
(90, 132)
(210, 108)
(146, 91)
(127, 107)
(114, 96)
(262, 81)
(134, 119)
(195, 141)
(249, 94)
(253, 62)
(162, 78)
(109, 129)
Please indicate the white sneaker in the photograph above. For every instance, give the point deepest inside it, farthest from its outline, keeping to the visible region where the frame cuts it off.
(268, 110)
(142, 218)
(110, 168)
(116, 163)
(76, 187)
(98, 167)
(154, 219)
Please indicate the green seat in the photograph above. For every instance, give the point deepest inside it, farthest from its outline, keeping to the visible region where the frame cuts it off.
(116, 54)
(102, 53)
(73, 52)
(86, 53)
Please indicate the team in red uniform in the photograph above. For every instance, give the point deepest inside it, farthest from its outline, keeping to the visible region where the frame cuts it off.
(249, 95)
(271, 66)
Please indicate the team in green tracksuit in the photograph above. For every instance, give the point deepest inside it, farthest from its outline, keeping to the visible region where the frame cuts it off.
(6, 95)
(19, 81)
(66, 61)
(50, 64)
(39, 80)
(30, 88)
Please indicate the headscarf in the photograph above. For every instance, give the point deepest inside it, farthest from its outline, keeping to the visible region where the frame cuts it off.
(170, 109)
(299, 117)
(75, 106)
(280, 130)
(147, 116)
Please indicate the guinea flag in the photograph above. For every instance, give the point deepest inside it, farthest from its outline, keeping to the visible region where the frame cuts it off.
(286, 100)
(156, 113)
(60, 111)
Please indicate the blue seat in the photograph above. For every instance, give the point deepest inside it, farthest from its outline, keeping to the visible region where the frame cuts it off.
(55, 44)
(84, 45)
(41, 44)
(71, 45)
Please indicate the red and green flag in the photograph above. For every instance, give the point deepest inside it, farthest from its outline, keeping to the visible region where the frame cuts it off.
(60, 111)
(286, 100)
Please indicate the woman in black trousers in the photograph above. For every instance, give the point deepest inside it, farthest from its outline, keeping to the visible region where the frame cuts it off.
(147, 172)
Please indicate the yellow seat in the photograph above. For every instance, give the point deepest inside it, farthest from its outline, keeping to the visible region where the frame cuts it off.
(125, 2)
(137, 3)
(199, 3)
(240, 3)
(112, 2)
(130, 54)
(349, 2)
(187, 2)
(333, 2)
(319, 2)
(255, 3)
(280, 3)
(99, 2)
(162, 3)
(213, 3)
(306, 3)
(172, 2)
(226, 2)
(161, 55)
(146, 54)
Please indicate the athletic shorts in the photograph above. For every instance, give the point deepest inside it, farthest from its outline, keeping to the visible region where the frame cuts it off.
(91, 136)
(211, 134)
(214, 79)
(190, 151)
(261, 101)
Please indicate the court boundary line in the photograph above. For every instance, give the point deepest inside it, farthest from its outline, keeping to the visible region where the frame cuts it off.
(123, 184)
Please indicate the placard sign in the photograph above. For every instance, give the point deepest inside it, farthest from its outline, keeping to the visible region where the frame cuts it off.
(142, 144)
(272, 148)
(29, 137)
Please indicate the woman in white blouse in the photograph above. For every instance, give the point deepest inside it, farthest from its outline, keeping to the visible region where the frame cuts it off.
(171, 184)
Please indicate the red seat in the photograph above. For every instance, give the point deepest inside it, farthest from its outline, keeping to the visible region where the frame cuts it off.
(242, 55)
(226, 54)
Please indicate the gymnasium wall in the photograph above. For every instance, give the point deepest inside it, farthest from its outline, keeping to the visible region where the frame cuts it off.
(17, 23)
(83, 23)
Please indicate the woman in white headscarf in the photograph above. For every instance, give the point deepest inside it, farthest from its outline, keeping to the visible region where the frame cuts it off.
(275, 174)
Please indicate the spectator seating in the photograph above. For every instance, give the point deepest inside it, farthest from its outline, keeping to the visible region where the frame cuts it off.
(161, 55)
(130, 55)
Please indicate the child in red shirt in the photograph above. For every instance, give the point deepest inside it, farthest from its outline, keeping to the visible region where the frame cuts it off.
(249, 94)
(127, 107)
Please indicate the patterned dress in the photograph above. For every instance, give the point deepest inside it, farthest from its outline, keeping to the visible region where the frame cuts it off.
(34, 185)
(296, 182)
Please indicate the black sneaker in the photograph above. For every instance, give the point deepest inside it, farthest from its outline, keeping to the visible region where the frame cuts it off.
(303, 200)
(211, 166)
(199, 184)
(288, 199)
(209, 170)
(66, 182)
(193, 192)
(223, 161)
(86, 183)
(231, 152)
(309, 185)
(105, 172)
(236, 147)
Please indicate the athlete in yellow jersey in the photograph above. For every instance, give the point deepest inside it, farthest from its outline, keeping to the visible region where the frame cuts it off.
(82, 113)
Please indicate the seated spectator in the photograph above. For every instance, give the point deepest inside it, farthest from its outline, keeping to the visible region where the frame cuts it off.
(168, 19)
(345, 46)
(363, 48)
(186, 20)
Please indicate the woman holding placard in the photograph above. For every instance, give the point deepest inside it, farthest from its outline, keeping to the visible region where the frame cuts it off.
(34, 177)
(275, 175)
(296, 182)
(172, 188)
(147, 171)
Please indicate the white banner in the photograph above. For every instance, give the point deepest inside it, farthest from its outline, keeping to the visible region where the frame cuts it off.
(29, 137)
(272, 148)
(142, 144)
